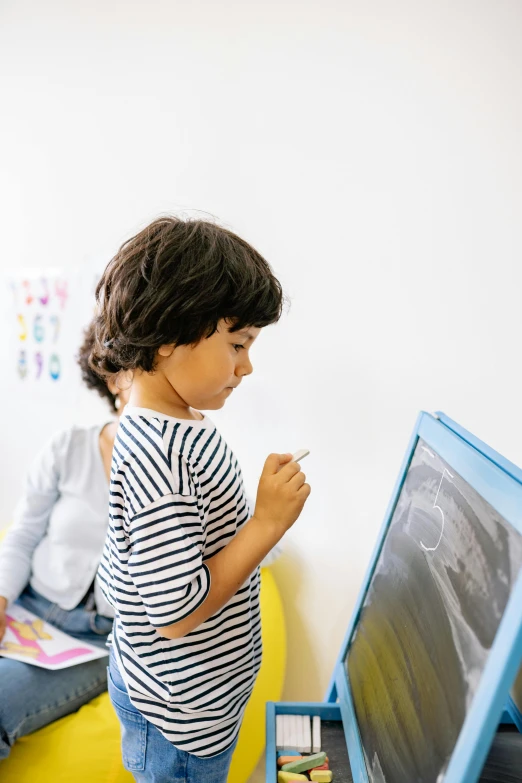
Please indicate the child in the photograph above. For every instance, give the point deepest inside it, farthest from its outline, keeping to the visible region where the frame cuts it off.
(180, 306)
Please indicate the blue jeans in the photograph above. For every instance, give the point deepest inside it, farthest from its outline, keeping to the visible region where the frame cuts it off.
(31, 697)
(148, 755)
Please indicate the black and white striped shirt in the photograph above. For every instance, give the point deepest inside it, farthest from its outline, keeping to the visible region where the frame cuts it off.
(177, 499)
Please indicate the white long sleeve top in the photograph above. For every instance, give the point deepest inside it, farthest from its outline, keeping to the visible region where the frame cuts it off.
(57, 537)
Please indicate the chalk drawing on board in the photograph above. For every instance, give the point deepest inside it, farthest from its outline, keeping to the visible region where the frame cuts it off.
(434, 548)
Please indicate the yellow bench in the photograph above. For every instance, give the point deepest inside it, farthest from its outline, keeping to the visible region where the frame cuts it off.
(84, 747)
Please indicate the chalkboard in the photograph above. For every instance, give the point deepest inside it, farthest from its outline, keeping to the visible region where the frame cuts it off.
(439, 589)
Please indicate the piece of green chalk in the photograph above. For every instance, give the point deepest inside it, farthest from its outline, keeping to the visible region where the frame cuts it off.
(308, 762)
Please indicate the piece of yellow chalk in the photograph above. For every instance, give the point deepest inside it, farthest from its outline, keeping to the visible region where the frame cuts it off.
(287, 760)
(287, 777)
(321, 776)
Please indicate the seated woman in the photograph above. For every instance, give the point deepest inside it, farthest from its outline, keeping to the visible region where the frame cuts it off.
(48, 564)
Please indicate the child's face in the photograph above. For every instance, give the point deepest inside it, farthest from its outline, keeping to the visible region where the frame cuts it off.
(203, 376)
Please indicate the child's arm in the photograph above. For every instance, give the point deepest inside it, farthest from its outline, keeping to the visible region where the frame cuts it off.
(281, 496)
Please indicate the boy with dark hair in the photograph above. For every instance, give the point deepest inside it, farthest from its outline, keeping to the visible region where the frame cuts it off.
(180, 306)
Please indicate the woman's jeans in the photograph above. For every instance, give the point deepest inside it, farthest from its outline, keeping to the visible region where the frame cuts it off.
(148, 755)
(32, 697)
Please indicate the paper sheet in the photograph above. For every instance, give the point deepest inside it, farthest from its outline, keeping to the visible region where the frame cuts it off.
(32, 640)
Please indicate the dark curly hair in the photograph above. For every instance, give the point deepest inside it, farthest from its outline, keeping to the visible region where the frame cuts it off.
(171, 284)
(91, 379)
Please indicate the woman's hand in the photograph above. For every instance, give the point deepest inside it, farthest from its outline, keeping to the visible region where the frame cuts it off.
(3, 619)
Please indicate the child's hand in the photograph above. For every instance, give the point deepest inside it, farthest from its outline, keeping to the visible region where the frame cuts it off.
(282, 492)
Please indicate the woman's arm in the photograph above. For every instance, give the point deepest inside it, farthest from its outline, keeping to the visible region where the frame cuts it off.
(31, 519)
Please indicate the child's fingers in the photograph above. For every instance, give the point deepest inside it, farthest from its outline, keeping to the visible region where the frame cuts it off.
(289, 470)
(273, 462)
(304, 492)
(297, 481)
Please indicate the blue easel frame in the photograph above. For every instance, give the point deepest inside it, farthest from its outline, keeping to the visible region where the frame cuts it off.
(512, 714)
(499, 482)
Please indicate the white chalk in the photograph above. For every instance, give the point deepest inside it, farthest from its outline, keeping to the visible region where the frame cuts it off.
(295, 732)
(301, 454)
(287, 736)
(303, 719)
(316, 741)
(307, 734)
(298, 734)
(280, 737)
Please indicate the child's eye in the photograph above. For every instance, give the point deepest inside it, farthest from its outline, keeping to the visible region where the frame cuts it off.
(237, 346)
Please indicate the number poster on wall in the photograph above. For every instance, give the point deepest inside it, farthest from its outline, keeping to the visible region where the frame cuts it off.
(48, 310)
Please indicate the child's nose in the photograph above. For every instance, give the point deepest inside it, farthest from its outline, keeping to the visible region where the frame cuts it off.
(245, 367)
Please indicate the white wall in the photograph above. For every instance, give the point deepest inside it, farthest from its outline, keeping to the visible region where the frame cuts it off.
(371, 151)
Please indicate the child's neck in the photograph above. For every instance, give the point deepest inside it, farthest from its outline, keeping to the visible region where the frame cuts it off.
(140, 398)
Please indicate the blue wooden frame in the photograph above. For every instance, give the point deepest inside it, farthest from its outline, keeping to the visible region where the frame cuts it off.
(499, 482)
(512, 714)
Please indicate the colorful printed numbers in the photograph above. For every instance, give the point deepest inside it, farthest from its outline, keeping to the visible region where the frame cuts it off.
(60, 290)
(38, 331)
(39, 363)
(39, 325)
(22, 364)
(22, 334)
(44, 295)
(26, 285)
(55, 323)
(39, 328)
(41, 292)
(54, 367)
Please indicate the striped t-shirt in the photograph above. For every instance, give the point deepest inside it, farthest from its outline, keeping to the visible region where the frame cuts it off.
(176, 499)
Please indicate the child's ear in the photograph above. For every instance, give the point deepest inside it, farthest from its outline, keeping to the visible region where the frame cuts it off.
(122, 381)
(166, 350)
(112, 387)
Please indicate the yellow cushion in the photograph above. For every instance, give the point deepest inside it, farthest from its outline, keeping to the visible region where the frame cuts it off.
(84, 747)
